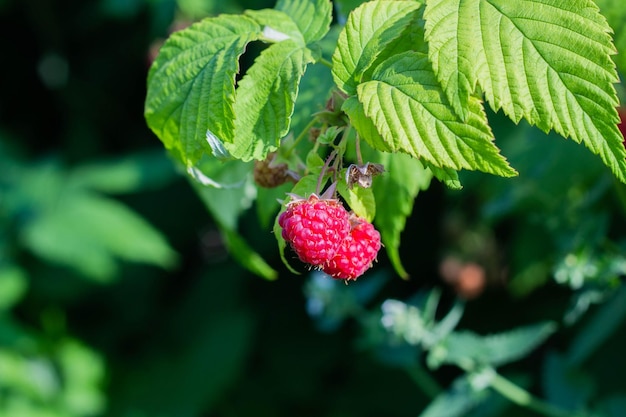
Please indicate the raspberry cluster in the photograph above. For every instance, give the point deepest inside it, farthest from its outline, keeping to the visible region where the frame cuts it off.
(323, 234)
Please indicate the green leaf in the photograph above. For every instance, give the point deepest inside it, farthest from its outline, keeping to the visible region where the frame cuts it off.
(462, 347)
(599, 328)
(406, 104)
(265, 99)
(368, 30)
(448, 176)
(457, 401)
(268, 203)
(360, 200)
(13, 285)
(564, 386)
(227, 204)
(364, 125)
(277, 26)
(313, 17)
(88, 232)
(615, 13)
(225, 188)
(246, 256)
(394, 192)
(191, 84)
(547, 61)
(146, 170)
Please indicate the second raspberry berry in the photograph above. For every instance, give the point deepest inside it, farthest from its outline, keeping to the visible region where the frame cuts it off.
(357, 252)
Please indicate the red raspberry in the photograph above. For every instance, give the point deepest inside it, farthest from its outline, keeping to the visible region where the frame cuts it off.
(356, 253)
(315, 228)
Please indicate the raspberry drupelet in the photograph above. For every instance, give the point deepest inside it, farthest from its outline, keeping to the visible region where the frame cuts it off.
(314, 228)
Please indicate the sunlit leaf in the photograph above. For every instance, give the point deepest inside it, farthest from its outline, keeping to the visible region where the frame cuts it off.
(368, 30)
(547, 61)
(265, 99)
(407, 106)
(191, 84)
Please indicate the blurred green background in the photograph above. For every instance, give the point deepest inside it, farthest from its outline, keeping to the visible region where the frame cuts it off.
(118, 296)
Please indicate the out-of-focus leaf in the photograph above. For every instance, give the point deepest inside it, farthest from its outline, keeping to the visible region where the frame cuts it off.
(268, 203)
(564, 385)
(465, 347)
(145, 170)
(89, 233)
(613, 406)
(13, 284)
(246, 256)
(459, 399)
(601, 325)
(83, 374)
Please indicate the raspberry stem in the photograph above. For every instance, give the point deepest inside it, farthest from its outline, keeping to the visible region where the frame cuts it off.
(320, 179)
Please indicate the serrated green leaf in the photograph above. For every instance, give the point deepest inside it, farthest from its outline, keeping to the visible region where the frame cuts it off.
(547, 61)
(313, 17)
(364, 125)
(395, 191)
(448, 176)
(277, 26)
(465, 347)
(368, 30)
(615, 14)
(360, 200)
(191, 84)
(265, 99)
(406, 104)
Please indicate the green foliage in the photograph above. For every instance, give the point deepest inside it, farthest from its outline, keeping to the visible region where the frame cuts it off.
(126, 280)
(399, 66)
(547, 62)
(65, 220)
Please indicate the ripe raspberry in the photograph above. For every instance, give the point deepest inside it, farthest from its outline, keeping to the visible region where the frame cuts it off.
(268, 173)
(356, 253)
(315, 228)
